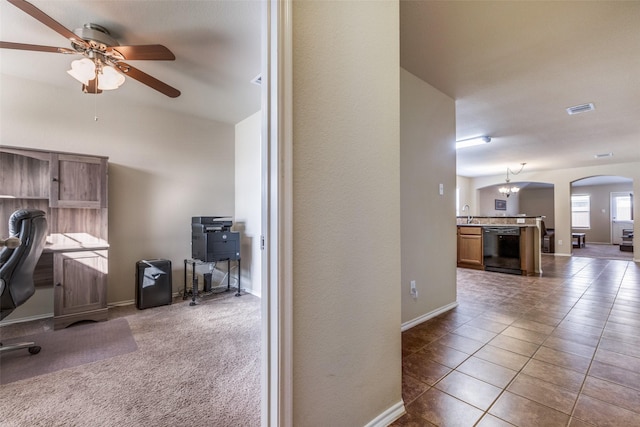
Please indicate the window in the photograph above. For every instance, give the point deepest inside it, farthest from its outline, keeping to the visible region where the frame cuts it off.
(580, 211)
(622, 206)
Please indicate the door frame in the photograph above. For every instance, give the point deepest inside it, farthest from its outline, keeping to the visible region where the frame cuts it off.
(277, 231)
(612, 196)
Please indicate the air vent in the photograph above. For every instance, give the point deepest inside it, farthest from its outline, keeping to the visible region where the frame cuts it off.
(577, 109)
(603, 155)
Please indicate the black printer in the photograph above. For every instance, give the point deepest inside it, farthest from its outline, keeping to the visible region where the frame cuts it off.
(212, 239)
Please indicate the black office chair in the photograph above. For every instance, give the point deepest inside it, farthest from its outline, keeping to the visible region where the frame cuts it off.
(18, 264)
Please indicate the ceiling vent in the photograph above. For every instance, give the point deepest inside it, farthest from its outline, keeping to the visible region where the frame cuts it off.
(603, 155)
(577, 109)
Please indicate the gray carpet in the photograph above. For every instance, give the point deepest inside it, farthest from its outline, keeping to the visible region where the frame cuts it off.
(66, 348)
(197, 366)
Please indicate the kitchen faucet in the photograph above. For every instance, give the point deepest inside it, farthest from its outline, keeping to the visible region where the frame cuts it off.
(468, 209)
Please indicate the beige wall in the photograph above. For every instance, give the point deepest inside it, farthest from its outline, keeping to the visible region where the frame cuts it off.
(346, 212)
(164, 168)
(248, 196)
(427, 159)
(487, 202)
(463, 186)
(538, 202)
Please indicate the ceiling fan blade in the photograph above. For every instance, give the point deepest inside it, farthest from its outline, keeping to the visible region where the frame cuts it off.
(146, 79)
(144, 52)
(36, 13)
(36, 47)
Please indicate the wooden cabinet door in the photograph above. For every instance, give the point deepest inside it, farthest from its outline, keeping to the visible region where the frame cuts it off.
(78, 181)
(470, 249)
(80, 280)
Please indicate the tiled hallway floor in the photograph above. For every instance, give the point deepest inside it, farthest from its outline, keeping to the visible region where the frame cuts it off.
(562, 349)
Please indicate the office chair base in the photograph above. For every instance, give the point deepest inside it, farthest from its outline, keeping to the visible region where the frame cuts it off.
(33, 348)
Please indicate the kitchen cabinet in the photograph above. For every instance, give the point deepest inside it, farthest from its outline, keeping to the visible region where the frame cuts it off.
(470, 247)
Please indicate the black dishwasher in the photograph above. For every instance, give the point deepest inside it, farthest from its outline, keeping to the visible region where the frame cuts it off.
(501, 249)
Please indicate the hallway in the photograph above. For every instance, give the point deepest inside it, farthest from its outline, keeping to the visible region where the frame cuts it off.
(562, 349)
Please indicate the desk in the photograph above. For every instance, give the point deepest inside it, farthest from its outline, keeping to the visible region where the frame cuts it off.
(76, 266)
(579, 240)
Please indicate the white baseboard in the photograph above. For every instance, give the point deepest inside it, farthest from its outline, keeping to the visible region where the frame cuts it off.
(254, 292)
(388, 416)
(421, 319)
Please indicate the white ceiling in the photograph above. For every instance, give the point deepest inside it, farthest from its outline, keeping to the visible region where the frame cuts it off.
(216, 44)
(513, 67)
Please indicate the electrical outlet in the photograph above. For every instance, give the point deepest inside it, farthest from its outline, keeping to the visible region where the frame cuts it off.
(413, 291)
(520, 221)
(559, 242)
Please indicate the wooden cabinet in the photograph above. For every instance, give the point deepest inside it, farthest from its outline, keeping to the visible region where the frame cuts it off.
(78, 181)
(527, 247)
(80, 288)
(470, 247)
(72, 190)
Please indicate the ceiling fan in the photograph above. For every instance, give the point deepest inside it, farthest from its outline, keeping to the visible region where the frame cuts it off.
(103, 66)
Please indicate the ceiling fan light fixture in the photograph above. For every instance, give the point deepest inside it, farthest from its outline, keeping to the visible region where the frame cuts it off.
(83, 70)
(109, 78)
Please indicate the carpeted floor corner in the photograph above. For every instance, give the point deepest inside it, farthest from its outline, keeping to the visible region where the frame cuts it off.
(66, 348)
(197, 366)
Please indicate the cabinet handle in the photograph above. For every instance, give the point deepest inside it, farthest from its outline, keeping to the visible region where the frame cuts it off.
(54, 179)
(58, 284)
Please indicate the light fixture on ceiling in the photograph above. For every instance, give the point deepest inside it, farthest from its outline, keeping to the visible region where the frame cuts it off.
(478, 140)
(87, 69)
(509, 189)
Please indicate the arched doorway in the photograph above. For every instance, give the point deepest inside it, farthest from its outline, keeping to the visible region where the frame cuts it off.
(601, 213)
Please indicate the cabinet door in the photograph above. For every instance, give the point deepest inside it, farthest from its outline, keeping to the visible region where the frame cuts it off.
(78, 181)
(470, 249)
(80, 282)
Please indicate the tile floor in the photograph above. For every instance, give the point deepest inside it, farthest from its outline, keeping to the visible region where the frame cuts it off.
(562, 349)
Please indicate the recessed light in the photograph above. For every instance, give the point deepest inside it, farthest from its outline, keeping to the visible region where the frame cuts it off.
(603, 155)
(583, 108)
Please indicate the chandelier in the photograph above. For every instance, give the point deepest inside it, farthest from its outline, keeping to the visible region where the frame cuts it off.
(509, 189)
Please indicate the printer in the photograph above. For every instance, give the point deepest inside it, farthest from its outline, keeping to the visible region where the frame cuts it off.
(212, 239)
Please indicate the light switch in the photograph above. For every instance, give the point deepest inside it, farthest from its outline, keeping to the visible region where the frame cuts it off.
(441, 189)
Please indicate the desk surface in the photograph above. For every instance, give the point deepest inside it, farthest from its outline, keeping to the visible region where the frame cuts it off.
(68, 242)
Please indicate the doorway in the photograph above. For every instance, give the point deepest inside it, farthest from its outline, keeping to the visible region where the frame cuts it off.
(601, 207)
(621, 215)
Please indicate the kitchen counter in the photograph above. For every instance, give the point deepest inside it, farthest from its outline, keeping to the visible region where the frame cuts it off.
(470, 241)
(496, 225)
(500, 220)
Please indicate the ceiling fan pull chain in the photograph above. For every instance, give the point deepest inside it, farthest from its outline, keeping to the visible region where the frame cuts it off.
(95, 103)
